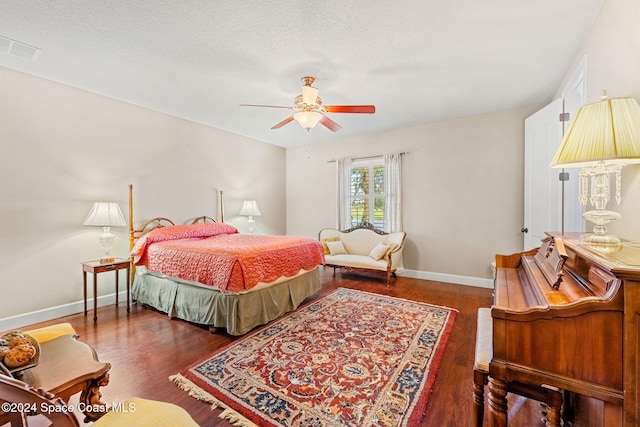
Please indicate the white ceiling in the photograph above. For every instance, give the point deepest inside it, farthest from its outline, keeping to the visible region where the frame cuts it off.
(417, 61)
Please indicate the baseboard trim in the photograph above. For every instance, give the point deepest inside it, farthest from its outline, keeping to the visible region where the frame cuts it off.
(21, 320)
(448, 278)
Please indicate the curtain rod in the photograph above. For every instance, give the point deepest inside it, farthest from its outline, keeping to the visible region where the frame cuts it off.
(367, 157)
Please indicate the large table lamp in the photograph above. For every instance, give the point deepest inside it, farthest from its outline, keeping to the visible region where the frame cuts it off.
(603, 137)
(106, 215)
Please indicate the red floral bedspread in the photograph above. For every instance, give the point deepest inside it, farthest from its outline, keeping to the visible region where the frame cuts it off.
(217, 255)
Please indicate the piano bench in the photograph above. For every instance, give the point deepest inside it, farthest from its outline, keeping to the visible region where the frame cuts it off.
(550, 396)
(484, 352)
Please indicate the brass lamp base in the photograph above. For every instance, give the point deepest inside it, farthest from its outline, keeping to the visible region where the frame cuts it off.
(106, 260)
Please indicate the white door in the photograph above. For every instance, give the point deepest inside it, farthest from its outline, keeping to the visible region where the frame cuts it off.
(542, 190)
(574, 97)
(551, 204)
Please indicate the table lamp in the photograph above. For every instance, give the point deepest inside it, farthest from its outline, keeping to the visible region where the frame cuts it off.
(250, 209)
(106, 215)
(603, 137)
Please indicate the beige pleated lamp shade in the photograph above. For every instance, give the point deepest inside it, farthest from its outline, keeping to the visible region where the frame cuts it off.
(606, 130)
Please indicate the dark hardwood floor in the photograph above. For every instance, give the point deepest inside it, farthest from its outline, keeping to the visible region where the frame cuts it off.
(145, 347)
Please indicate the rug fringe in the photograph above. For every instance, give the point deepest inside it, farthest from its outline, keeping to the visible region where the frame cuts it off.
(196, 392)
(236, 419)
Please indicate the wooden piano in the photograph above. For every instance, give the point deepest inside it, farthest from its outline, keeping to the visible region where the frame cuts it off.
(566, 321)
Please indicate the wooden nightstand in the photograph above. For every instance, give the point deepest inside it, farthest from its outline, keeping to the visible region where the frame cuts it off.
(96, 267)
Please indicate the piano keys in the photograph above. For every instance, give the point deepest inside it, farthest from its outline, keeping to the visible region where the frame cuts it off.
(566, 319)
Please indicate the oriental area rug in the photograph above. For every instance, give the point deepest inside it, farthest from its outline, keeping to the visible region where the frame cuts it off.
(351, 358)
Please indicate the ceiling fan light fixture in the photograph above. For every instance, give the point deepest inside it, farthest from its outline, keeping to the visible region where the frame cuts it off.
(309, 95)
(309, 111)
(307, 119)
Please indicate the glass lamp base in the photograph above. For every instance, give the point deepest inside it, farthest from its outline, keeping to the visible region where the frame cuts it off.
(601, 217)
(251, 225)
(106, 243)
(600, 239)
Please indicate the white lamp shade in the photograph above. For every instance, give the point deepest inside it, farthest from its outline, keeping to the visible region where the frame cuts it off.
(309, 95)
(607, 130)
(307, 119)
(250, 208)
(105, 214)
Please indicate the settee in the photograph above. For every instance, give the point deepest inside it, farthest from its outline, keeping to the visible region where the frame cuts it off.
(363, 248)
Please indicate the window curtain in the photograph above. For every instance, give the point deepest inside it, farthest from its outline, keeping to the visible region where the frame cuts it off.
(393, 192)
(343, 217)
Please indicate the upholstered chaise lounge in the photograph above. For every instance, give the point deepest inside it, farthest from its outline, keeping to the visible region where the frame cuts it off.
(363, 248)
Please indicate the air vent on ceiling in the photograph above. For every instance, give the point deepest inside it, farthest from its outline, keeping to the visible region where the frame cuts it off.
(16, 48)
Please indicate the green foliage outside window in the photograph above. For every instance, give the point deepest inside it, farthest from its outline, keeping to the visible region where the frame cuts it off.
(367, 206)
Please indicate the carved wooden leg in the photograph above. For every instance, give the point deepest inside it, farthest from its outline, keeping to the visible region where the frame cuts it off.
(14, 418)
(568, 406)
(554, 406)
(497, 403)
(479, 381)
(93, 407)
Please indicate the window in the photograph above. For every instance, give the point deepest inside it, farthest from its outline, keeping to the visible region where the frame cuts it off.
(370, 189)
(367, 193)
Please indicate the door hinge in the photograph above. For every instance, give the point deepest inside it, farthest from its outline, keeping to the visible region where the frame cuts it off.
(564, 117)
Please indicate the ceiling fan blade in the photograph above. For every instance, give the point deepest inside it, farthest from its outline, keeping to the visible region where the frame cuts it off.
(333, 126)
(362, 109)
(284, 122)
(267, 106)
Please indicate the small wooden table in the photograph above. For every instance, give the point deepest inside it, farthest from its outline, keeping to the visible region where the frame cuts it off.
(96, 267)
(66, 367)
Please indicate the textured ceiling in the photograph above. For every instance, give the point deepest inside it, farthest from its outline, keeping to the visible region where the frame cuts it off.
(417, 61)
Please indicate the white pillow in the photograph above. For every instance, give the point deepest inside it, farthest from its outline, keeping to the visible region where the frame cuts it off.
(336, 248)
(378, 251)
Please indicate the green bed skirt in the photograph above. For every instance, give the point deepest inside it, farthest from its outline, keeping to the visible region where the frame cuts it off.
(237, 313)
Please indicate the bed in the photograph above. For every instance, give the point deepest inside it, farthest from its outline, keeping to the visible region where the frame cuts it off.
(206, 272)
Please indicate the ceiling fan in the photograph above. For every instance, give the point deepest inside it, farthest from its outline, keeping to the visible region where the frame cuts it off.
(309, 110)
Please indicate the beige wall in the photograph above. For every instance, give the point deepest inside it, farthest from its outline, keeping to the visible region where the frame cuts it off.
(64, 148)
(612, 50)
(462, 190)
(463, 179)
